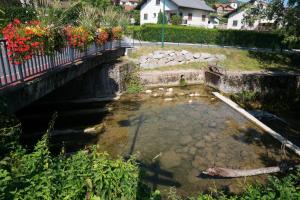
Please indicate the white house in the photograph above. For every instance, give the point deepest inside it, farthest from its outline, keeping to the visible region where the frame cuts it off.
(193, 12)
(236, 18)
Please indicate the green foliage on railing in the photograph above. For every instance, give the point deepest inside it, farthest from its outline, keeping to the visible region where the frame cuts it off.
(188, 34)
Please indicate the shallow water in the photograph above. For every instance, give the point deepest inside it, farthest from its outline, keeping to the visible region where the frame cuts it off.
(172, 140)
(175, 140)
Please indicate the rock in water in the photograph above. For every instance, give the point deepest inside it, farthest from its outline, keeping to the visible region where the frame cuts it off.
(170, 159)
(148, 91)
(170, 89)
(168, 99)
(95, 130)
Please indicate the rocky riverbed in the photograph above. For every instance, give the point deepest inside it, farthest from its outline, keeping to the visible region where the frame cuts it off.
(167, 58)
(175, 133)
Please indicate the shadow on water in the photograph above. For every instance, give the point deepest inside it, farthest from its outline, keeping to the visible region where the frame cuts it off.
(270, 145)
(152, 173)
(80, 103)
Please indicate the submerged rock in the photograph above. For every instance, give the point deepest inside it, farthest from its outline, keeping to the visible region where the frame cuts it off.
(193, 176)
(198, 162)
(95, 130)
(169, 94)
(170, 89)
(185, 139)
(170, 159)
(155, 95)
(168, 99)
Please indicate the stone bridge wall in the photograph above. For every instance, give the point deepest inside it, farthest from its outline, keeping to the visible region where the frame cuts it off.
(23, 94)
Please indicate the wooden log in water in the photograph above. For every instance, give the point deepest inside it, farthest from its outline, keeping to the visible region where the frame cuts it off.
(235, 173)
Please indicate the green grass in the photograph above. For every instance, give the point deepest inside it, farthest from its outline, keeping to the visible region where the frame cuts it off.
(237, 60)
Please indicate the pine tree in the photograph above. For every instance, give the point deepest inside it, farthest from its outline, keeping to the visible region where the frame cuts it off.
(160, 18)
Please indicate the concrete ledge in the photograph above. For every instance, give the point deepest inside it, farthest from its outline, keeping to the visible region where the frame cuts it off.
(25, 93)
(171, 78)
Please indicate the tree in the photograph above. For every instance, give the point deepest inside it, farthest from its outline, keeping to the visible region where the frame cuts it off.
(135, 14)
(160, 18)
(211, 3)
(286, 17)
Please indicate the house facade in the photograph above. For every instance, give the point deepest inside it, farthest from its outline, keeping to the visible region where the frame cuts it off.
(223, 9)
(236, 18)
(193, 12)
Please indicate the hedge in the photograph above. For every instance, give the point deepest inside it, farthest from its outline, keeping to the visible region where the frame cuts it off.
(188, 34)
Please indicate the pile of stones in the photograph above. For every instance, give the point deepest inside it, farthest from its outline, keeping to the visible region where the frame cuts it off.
(167, 58)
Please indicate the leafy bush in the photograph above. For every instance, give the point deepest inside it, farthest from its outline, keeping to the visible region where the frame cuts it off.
(135, 14)
(26, 13)
(176, 20)
(38, 175)
(190, 34)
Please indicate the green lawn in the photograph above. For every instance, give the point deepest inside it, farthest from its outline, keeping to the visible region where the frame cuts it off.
(237, 60)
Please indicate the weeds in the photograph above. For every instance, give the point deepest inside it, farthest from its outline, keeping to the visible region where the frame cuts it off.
(133, 81)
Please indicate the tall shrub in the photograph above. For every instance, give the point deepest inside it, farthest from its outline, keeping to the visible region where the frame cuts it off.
(160, 18)
(188, 34)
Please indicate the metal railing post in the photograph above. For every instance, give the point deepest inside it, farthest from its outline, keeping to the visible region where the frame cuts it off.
(72, 52)
(85, 51)
(110, 44)
(21, 72)
(96, 48)
(52, 61)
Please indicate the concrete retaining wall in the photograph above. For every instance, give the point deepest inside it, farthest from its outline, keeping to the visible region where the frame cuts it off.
(265, 83)
(104, 81)
(164, 78)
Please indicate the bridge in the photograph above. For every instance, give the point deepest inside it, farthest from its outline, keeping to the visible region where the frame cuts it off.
(25, 83)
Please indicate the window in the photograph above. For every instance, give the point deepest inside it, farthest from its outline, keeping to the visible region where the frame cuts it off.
(203, 18)
(180, 14)
(234, 23)
(157, 2)
(190, 16)
(145, 16)
(154, 15)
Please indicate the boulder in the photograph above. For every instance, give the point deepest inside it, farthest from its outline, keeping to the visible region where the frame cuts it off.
(184, 52)
(197, 55)
(205, 55)
(220, 56)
